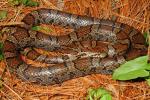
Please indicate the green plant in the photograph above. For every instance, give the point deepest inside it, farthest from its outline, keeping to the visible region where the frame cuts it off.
(138, 67)
(24, 2)
(3, 14)
(98, 94)
(133, 69)
(40, 28)
(1, 53)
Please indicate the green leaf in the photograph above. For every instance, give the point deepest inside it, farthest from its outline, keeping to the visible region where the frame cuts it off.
(91, 93)
(14, 2)
(24, 2)
(30, 3)
(98, 94)
(132, 75)
(1, 57)
(1, 45)
(148, 81)
(3, 14)
(1, 84)
(146, 35)
(132, 69)
(106, 97)
(1, 53)
(39, 28)
(36, 28)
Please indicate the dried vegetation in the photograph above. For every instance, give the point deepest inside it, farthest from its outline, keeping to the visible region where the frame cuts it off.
(132, 12)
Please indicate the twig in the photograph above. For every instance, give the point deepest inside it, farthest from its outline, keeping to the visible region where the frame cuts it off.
(2, 4)
(17, 13)
(48, 3)
(124, 17)
(10, 23)
(5, 95)
(12, 91)
(119, 6)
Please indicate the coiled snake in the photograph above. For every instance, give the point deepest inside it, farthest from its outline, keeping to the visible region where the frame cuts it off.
(95, 46)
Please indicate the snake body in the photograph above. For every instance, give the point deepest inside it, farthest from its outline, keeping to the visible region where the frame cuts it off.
(95, 46)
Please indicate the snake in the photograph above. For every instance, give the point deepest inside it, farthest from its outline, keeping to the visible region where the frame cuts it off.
(96, 46)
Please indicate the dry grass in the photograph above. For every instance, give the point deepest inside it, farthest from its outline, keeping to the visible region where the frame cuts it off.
(132, 12)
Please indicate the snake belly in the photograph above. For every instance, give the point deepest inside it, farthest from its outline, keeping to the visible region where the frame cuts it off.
(113, 42)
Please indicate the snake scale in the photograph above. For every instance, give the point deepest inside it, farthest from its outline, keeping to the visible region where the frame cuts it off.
(95, 46)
